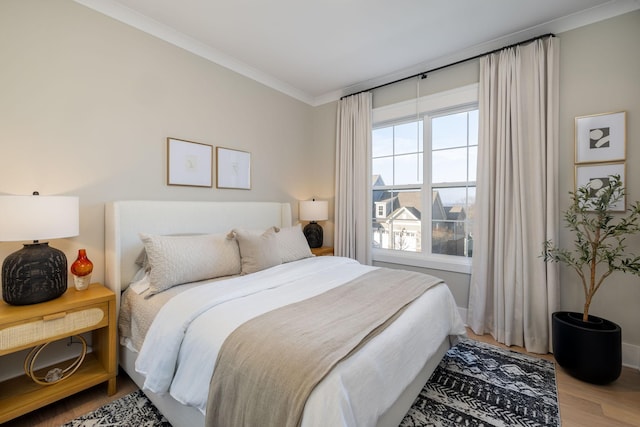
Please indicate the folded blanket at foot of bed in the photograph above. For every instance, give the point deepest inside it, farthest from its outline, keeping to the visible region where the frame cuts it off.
(265, 378)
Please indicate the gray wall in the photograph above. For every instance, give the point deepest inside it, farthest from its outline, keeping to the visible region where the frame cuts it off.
(599, 73)
(86, 105)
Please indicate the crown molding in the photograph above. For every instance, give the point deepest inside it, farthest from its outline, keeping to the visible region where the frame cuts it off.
(117, 11)
(130, 17)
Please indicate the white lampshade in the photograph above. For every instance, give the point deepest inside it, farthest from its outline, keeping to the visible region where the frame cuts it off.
(38, 217)
(314, 210)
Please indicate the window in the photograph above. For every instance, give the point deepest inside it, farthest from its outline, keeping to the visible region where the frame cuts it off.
(423, 187)
(454, 154)
(397, 165)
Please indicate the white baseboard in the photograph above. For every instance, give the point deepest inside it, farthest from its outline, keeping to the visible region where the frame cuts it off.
(463, 314)
(631, 355)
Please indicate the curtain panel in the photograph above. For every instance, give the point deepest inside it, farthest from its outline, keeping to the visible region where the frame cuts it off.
(513, 292)
(353, 175)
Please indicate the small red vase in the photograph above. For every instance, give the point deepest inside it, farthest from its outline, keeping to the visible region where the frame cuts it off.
(81, 270)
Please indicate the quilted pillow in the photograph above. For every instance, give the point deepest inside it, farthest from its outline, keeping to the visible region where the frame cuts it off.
(292, 245)
(257, 251)
(143, 262)
(174, 260)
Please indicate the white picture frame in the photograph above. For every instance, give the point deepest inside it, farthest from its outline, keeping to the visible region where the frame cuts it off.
(600, 138)
(189, 163)
(587, 173)
(233, 169)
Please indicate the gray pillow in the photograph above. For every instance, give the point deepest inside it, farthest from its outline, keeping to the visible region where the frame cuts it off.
(257, 251)
(292, 245)
(174, 260)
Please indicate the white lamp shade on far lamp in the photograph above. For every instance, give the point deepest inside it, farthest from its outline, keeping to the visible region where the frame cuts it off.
(37, 272)
(38, 218)
(314, 210)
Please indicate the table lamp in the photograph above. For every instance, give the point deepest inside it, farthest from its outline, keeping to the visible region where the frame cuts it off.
(37, 272)
(314, 210)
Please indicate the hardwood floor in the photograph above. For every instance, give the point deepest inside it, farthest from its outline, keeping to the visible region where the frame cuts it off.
(581, 404)
(74, 406)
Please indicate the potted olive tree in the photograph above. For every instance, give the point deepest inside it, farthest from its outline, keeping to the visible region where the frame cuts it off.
(587, 346)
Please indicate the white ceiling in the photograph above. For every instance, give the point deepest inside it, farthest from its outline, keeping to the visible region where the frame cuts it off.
(317, 51)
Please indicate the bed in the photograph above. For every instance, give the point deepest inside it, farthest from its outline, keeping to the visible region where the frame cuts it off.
(387, 370)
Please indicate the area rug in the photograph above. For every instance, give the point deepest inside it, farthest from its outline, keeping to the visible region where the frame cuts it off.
(132, 410)
(479, 384)
(475, 385)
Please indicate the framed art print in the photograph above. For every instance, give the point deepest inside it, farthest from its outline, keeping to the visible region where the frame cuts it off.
(598, 176)
(189, 163)
(600, 138)
(233, 168)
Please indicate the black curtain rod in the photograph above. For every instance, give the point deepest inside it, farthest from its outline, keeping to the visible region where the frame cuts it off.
(423, 74)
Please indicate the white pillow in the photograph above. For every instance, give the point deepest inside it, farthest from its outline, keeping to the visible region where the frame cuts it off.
(140, 282)
(257, 251)
(292, 244)
(174, 260)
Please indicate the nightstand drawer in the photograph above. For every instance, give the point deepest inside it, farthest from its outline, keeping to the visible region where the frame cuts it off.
(40, 329)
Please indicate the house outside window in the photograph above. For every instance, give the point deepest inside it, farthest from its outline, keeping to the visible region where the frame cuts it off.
(423, 184)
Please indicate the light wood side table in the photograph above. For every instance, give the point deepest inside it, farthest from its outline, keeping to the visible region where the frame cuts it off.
(323, 251)
(74, 313)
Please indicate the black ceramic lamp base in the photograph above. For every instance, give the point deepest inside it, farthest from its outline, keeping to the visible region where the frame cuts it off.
(313, 233)
(36, 273)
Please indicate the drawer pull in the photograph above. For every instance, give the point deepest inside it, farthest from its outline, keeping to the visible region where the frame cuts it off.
(54, 316)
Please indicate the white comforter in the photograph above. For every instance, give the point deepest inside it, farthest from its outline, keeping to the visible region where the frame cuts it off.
(181, 347)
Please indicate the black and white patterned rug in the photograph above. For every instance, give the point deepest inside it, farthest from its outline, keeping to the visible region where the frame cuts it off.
(475, 385)
(132, 410)
(479, 384)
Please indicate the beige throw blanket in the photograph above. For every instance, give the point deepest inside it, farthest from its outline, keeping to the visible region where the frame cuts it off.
(268, 366)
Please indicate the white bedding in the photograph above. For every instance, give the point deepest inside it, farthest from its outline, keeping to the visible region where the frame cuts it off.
(190, 329)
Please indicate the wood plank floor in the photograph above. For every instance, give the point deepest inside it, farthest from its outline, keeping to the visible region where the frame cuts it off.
(74, 406)
(581, 404)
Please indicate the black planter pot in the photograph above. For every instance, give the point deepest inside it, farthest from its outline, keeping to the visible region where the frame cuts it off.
(590, 351)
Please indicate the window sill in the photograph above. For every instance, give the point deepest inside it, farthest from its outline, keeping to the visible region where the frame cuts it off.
(435, 262)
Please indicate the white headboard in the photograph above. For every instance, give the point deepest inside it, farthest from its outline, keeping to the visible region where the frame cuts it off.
(125, 219)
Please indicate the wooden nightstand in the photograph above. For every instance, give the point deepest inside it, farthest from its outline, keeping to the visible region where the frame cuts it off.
(74, 313)
(323, 251)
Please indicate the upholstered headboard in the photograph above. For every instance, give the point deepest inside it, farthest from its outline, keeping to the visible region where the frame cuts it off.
(125, 219)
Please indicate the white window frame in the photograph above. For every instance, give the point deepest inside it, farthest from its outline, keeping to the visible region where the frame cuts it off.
(431, 105)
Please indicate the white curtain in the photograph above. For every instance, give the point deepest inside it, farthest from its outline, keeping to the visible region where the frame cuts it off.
(513, 292)
(353, 177)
